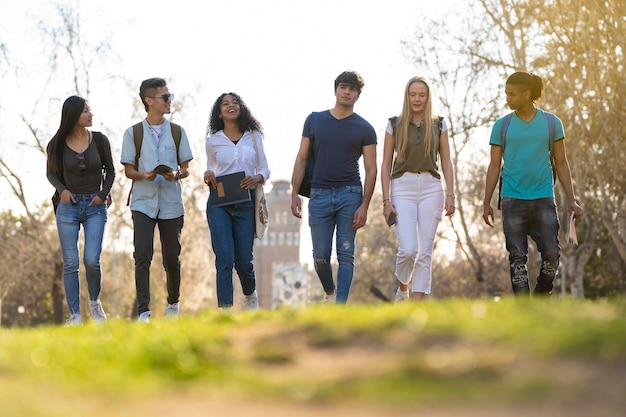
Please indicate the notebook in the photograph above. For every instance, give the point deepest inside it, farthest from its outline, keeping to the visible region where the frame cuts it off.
(228, 190)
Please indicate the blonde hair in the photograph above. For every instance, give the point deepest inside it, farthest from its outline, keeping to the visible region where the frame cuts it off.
(404, 120)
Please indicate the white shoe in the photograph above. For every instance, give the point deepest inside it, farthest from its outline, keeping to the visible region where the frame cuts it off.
(330, 299)
(97, 312)
(251, 301)
(74, 320)
(145, 317)
(401, 296)
(172, 310)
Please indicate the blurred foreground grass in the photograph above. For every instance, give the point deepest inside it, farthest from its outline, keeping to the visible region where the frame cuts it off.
(452, 353)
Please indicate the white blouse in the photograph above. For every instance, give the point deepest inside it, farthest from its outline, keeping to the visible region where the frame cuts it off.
(226, 157)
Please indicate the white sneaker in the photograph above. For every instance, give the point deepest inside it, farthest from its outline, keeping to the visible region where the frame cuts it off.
(74, 320)
(97, 312)
(251, 301)
(401, 296)
(145, 317)
(330, 299)
(172, 310)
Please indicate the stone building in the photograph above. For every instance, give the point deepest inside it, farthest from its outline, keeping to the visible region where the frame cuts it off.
(281, 279)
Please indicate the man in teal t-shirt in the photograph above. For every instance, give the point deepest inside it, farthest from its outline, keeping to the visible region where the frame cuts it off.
(528, 207)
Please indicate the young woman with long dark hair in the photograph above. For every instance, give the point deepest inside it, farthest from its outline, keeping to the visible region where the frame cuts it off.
(80, 167)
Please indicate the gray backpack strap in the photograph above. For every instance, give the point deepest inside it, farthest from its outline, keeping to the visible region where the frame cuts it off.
(551, 120)
(506, 121)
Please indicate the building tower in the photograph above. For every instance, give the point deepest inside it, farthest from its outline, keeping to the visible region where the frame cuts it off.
(281, 279)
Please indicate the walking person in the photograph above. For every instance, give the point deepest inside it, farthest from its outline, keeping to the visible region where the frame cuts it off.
(338, 202)
(528, 207)
(156, 155)
(234, 144)
(80, 167)
(412, 187)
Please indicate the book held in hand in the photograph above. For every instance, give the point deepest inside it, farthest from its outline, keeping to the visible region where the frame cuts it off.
(162, 169)
(571, 234)
(228, 190)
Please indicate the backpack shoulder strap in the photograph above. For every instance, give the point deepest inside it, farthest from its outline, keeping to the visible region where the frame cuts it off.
(256, 152)
(97, 137)
(177, 135)
(314, 118)
(506, 121)
(394, 121)
(138, 138)
(550, 119)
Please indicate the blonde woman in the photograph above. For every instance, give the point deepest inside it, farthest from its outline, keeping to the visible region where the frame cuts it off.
(416, 149)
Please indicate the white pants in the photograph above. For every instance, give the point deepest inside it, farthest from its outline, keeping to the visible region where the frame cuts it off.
(419, 201)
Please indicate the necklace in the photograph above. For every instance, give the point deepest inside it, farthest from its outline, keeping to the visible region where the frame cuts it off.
(78, 144)
(156, 133)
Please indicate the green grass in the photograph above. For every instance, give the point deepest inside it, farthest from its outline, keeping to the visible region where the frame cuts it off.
(454, 352)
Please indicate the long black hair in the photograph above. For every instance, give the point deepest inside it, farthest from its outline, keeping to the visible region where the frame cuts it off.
(246, 120)
(73, 107)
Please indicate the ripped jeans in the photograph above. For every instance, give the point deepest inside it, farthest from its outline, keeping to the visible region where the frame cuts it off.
(537, 219)
(331, 209)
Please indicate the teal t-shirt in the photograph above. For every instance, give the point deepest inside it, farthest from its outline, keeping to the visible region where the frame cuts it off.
(527, 174)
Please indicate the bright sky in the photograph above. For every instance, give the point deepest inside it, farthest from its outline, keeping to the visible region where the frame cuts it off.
(281, 56)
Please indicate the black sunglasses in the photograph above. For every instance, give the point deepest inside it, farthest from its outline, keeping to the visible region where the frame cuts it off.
(165, 97)
(80, 160)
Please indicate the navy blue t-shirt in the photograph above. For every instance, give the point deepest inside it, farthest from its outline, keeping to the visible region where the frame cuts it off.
(337, 146)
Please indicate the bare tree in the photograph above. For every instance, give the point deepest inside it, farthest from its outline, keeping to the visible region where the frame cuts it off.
(69, 54)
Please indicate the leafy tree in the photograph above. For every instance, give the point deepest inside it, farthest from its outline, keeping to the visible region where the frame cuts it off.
(577, 48)
(585, 62)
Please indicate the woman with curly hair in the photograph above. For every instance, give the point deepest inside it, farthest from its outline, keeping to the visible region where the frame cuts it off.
(234, 137)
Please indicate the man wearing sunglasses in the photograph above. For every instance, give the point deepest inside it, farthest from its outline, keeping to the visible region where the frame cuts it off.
(156, 193)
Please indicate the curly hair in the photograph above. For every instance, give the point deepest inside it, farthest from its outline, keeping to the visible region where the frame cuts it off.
(246, 120)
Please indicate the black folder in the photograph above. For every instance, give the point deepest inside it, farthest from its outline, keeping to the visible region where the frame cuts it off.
(229, 191)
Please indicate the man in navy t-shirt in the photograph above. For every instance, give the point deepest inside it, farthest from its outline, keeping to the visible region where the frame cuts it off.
(338, 201)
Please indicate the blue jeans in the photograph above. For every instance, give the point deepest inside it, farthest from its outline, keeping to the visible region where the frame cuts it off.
(69, 217)
(232, 237)
(331, 209)
(143, 238)
(537, 219)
